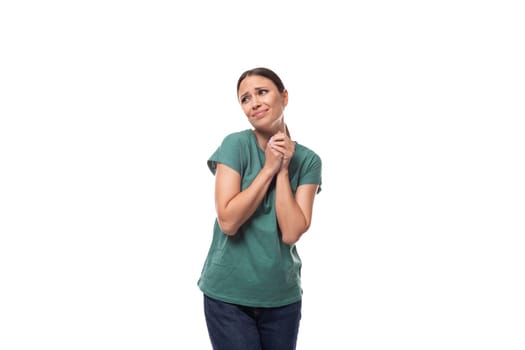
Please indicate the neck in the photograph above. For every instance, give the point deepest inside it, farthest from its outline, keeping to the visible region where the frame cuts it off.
(263, 137)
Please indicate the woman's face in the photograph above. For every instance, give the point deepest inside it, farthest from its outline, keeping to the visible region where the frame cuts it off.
(262, 103)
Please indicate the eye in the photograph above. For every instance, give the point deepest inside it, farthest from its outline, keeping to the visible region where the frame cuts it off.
(263, 92)
(245, 99)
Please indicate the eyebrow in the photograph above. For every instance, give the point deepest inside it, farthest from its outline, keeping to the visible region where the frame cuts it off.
(256, 89)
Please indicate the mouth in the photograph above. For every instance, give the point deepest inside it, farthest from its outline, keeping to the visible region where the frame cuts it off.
(259, 114)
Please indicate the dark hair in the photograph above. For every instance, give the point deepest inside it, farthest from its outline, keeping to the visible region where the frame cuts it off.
(264, 72)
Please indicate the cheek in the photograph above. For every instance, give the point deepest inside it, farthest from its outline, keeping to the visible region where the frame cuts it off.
(278, 105)
(278, 102)
(245, 109)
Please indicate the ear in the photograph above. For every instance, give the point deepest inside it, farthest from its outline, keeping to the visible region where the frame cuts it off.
(284, 94)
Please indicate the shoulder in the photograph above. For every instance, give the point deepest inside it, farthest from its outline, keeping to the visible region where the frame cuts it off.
(237, 136)
(308, 165)
(231, 151)
(307, 154)
(238, 141)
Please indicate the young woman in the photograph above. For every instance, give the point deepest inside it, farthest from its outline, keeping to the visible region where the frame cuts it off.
(265, 185)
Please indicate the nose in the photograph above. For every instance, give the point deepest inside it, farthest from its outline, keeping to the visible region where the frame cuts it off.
(255, 103)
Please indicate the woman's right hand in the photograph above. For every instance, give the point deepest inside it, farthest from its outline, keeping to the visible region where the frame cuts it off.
(274, 158)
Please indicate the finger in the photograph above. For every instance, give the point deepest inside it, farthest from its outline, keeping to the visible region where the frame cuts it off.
(277, 153)
(278, 136)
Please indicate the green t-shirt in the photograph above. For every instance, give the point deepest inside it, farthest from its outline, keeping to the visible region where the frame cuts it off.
(254, 267)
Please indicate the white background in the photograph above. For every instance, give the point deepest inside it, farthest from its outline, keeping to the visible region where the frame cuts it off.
(110, 109)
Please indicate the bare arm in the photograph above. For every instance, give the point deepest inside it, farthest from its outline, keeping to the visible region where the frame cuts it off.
(234, 207)
(294, 213)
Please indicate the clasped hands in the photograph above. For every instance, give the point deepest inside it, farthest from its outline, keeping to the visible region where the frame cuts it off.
(279, 151)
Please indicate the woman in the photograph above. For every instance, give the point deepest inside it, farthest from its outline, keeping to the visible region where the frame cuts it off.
(265, 185)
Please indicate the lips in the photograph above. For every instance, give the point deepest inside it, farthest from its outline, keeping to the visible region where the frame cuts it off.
(259, 114)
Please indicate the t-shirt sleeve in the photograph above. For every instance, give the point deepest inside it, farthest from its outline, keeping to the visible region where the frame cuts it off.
(313, 172)
(228, 153)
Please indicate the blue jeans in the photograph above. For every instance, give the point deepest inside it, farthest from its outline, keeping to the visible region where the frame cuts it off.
(236, 327)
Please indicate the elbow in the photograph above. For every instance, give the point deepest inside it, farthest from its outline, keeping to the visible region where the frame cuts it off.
(291, 238)
(227, 228)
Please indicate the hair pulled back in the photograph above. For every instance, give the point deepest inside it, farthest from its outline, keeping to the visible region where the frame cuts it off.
(263, 72)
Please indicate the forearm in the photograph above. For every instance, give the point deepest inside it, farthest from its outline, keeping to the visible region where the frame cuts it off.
(292, 221)
(242, 206)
